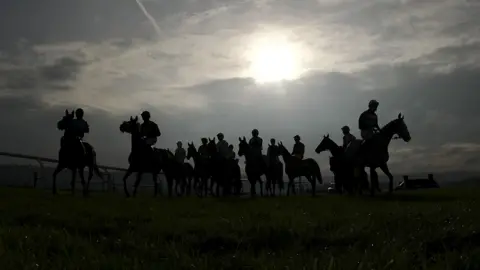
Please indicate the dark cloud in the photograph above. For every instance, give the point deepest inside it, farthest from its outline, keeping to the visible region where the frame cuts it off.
(56, 76)
(438, 93)
(64, 69)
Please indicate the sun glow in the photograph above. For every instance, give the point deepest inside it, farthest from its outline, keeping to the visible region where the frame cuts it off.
(274, 58)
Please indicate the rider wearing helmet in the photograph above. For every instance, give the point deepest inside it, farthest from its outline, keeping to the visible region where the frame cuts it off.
(298, 148)
(347, 137)
(203, 150)
(222, 146)
(273, 152)
(368, 121)
(149, 130)
(231, 153)
(79, 125)
(256, 143)
(180, 153)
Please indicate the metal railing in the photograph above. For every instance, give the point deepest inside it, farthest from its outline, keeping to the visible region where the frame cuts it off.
(109, 182)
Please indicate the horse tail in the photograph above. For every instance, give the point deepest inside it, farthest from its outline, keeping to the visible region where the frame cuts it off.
(317, 173)
(95, 165)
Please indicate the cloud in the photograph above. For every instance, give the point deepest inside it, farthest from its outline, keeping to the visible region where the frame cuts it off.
(419, 58)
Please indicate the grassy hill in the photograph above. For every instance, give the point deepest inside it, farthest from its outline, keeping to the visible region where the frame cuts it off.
(434, 229)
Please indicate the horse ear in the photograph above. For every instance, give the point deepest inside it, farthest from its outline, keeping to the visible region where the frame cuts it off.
(240, 139)
(131, 118)
(136, 118)
(400, 116)
(328, 135)
(66, 112)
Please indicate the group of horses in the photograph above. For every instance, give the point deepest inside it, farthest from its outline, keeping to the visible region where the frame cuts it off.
(348, 166)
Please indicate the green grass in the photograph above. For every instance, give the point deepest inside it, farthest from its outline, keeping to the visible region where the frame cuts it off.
(416, 230)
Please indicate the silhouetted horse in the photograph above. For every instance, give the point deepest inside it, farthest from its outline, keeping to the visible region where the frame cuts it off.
(182, 173)
(225, 172)
(295, 167)
(74, 155)
(342, 167)
(274, 175)
(255, 166)
(142, 158)
(374, 152)
(201, 170)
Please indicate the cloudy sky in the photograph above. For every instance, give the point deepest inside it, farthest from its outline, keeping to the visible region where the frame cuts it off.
(285, 67)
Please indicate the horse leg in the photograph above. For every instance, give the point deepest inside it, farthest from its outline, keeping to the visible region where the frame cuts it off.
(260, 181)
(291, 185)
(170, 185)
(137, 183)
(90, 176)
(127, 174)
(251, 179)
(155, 184)
(72, 183)
(82, 179)
(373, 181)
(274, 185)
(387, 172)
(54, 178)
(313, 183)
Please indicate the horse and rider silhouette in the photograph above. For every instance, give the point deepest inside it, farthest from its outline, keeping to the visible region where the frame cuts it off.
(215, 160)
(75, 154)
(349, 162)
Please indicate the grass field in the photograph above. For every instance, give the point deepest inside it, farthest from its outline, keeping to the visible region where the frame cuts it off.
(416, 230)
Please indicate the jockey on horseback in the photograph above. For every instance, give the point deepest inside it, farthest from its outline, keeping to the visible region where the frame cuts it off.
(149, 130)
(298, 148)
(222, 146)
(180, 153)
(347, 137)
(80, 127)
(368, 121)
(273, 152)
(256, 143)
(74, 130)
(231, 154)
(203, 150)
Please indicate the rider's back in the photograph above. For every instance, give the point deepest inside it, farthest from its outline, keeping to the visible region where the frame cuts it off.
(222, 147)
(79, 127)
(273, 153)
(367, 120)
(149, 129)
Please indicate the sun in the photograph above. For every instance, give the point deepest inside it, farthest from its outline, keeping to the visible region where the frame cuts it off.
(274, 58)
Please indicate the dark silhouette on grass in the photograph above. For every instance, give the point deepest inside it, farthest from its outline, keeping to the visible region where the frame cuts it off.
(180, 172)
(342, 168)
(201, 170)
(225, 172)
(373, 153)
(75, 154)
(255, 165)
(298, 148)
(142, 158)
(296, 167)
(274, 169)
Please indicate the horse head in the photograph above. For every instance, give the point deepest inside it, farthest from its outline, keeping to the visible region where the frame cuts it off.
(131, 126)
(398, 127)
(64, 123)
(211, 147)
(191, 150)
(281, 148)
(325, 144)
(243, 146)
